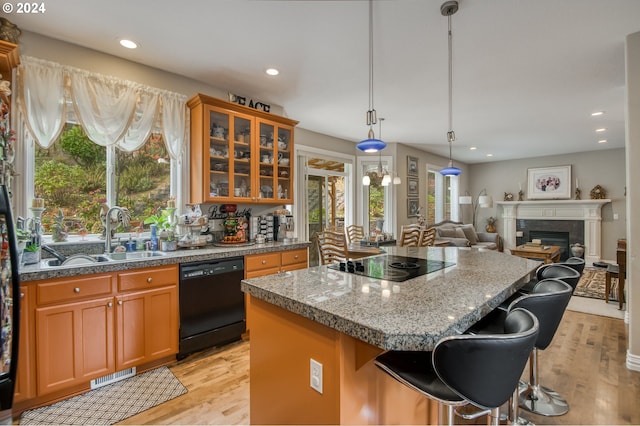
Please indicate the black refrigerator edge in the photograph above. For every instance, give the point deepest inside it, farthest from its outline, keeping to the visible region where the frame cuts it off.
(9, 302)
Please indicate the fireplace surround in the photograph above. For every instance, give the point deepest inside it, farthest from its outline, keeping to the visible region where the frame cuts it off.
(558, 216)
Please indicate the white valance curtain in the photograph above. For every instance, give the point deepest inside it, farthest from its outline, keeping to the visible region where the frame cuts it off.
(111, 111)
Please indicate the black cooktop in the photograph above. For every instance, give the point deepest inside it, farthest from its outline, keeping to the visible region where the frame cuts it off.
(391, 267)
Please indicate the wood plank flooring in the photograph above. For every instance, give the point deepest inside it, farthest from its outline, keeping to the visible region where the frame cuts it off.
(585, 363)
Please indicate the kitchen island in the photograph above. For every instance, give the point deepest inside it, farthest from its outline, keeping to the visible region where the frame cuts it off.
(343, 320)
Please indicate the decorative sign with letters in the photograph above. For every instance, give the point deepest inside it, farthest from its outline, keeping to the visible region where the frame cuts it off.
(243, 100)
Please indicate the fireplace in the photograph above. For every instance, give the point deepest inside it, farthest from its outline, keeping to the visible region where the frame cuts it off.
(552, 238)
(580, 218)
(561, 233)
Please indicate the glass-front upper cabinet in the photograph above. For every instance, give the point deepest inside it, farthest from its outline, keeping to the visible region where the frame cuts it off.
(239, 154)
(275, 166)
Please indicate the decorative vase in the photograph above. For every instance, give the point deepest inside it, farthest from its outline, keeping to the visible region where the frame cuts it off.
(490, 228)
(577, 250)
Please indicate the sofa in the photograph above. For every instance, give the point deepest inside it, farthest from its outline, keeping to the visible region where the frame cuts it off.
(465, 235)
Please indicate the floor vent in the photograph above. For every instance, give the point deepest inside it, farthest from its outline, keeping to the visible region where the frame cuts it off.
(112, 378)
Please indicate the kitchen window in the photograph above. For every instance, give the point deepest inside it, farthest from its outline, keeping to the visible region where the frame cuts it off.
(91, 139)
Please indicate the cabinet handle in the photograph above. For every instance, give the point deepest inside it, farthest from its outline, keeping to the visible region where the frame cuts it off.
(120, 302)
(149, 280)
(76, 290)
(264, 262)
(110, 304)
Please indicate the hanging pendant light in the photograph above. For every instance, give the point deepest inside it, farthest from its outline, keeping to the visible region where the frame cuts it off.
(371, 144)
(447, 9)
(382, 176)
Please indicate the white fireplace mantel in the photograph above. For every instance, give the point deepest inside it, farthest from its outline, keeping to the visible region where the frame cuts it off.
(589, 211)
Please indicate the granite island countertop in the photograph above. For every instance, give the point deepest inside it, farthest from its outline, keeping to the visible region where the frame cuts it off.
(40, 272)
(410, 315)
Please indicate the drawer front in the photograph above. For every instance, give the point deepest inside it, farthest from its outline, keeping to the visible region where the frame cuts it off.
(261, 272)
(292, 257)
(142, 279)
(258, 262)
(294, 266)
(68, 290)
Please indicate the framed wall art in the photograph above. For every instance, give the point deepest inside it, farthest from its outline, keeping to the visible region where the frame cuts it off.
(547, 183)
(412, 187)
(412, 166)
(412, 207)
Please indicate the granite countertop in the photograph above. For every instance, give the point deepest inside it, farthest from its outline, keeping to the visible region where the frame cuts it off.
(409, 315)
(40, 272)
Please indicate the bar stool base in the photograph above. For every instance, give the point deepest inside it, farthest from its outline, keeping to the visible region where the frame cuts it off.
(543, 401)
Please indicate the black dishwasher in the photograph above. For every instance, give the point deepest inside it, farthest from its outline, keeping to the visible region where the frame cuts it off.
(211, 304)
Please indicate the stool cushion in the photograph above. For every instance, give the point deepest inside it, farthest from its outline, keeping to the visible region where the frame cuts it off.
(415, 369)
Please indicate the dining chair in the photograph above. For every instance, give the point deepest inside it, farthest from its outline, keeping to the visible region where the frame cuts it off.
(427, 237)
(355, 233)
(409, 235)
(332, 246)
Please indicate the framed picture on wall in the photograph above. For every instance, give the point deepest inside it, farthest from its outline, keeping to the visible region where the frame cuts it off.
(412, 187)
(412, 207)
(412, 166)
(549, 183)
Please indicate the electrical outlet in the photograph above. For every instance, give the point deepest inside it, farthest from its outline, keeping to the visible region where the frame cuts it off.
(315, 373)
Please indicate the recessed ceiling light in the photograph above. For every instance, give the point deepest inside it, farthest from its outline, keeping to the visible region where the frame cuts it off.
(473, 148)
(489, 155)
(597, 113)
(272, 71)
(129, 44)
(602, 141)
(600, 130)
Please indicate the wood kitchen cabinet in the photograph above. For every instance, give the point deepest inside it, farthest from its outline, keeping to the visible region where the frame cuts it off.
(147, 317)
(259, 265)
(25, 378)
(239, 154)
(95, 325)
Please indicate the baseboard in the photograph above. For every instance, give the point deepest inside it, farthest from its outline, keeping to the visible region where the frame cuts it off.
(633, 361)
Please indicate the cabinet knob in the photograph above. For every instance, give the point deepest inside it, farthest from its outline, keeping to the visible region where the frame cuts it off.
(264, 262)
(149, 280)
(295, 257)
(76, 290)
(120, 302)
(110, 304)
(21, 295)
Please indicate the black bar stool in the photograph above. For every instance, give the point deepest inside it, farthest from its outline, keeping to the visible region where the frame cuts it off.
(482, 370)
(547, 301)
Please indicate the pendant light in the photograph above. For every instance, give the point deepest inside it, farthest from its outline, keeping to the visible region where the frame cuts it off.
(381, 177)
(447, 9)
(371, 144)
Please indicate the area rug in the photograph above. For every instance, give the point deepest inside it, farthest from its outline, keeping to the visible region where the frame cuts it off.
(112, 403)
(592, 285)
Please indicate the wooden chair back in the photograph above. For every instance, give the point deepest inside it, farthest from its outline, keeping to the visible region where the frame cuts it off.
(355, 233)
(427, 237)
(332, 246)
(409, 235)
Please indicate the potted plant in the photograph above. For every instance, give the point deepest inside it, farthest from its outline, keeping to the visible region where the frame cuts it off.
(491, 224)
(31, 253)
(164, 223)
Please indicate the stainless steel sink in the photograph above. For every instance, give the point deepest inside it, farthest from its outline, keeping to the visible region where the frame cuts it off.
(133, 255)
(78, 259)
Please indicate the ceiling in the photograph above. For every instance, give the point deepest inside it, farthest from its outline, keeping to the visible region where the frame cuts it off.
(527, 74)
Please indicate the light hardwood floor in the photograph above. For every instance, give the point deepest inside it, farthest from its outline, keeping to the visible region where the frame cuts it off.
(585, 363)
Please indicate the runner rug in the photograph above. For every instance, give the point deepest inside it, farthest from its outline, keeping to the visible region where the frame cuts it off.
(592, 284)
(112, 403)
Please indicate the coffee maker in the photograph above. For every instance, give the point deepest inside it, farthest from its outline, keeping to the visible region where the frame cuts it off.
(283, 228)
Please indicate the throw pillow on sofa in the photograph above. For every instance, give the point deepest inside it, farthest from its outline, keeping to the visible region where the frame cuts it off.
(452, 233)
(470, 233)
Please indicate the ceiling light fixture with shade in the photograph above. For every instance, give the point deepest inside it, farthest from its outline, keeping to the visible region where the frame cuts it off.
(447, 9)
(371, 144)
(380, 177)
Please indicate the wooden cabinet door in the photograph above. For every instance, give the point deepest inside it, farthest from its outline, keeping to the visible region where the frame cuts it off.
(147, 326)
(275, 165)
(25, 385)
(75, 343)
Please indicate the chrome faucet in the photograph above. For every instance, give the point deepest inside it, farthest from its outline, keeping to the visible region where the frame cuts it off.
(123, 217)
